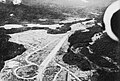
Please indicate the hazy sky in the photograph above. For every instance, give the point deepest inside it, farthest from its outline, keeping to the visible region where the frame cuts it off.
(70, 3)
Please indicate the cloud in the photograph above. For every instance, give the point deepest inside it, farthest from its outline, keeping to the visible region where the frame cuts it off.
(86, 1)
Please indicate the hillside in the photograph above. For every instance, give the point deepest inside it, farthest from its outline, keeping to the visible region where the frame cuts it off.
(10, 13)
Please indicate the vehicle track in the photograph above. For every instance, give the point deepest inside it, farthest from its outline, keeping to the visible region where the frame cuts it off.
(47, 60)
(37, 48)
(51, 56)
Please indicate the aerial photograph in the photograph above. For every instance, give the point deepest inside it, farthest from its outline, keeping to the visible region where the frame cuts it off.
(59, 40)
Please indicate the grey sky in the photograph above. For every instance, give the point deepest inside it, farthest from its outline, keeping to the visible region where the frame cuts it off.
(70, 3)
